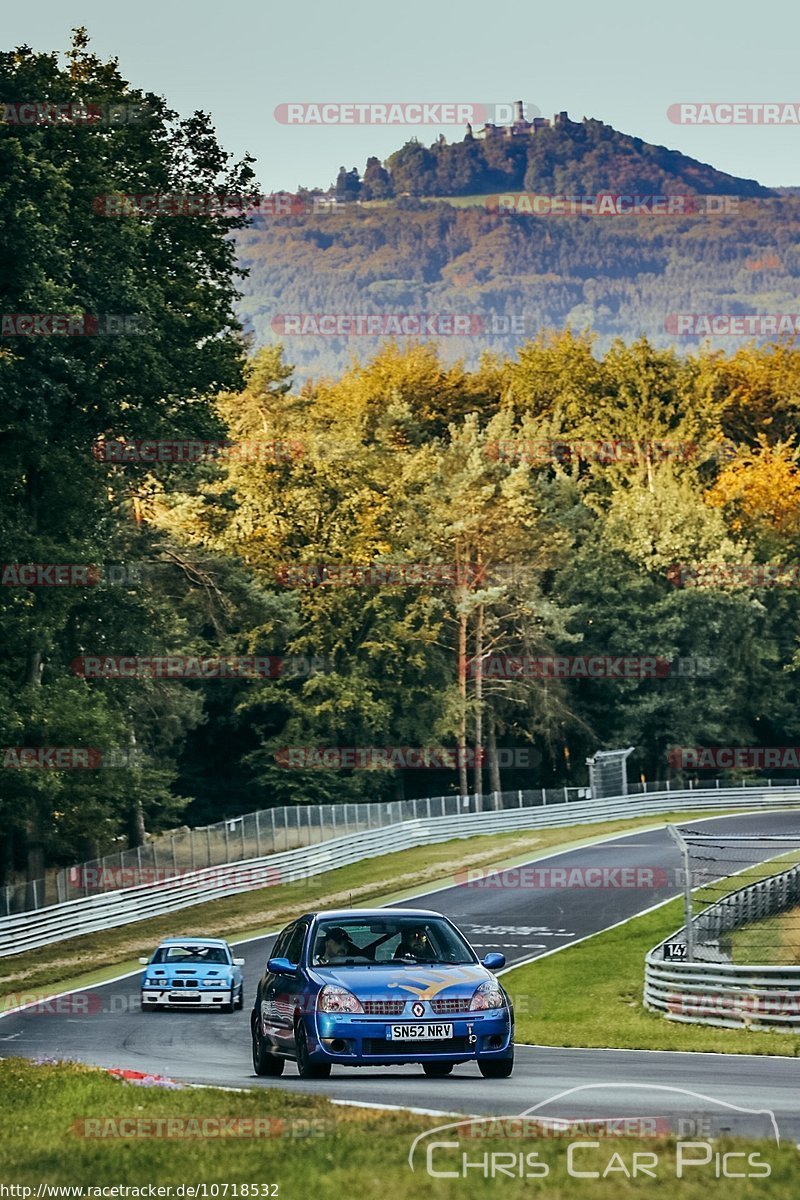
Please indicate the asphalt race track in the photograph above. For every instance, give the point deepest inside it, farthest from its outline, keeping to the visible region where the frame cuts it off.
(105, 1027)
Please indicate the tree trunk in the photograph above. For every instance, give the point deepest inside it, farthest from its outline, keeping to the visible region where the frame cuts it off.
(478, 768)
(463, 784)
(137, 833)
(494, 762)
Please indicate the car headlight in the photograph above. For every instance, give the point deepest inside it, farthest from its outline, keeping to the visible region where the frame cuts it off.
(333, 999)
(152, 983)
(488, 995)
(216, 983)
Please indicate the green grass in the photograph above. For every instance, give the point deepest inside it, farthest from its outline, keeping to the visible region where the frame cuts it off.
(92, 958)
(591, 995)
(314, 1148)
(775, 940)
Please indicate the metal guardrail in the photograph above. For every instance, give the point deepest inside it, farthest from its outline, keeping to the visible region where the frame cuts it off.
(733, 995)
(274, 830)
(26, 931)
(253, 835)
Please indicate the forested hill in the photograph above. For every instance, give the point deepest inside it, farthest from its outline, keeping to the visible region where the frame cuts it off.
(620, 276)
(565, 156)
(422, 234)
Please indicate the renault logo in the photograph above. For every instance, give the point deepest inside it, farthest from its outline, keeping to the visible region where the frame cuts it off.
(417, 1008)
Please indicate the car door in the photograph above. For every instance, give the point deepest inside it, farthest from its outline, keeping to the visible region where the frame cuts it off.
(270, 984)
(287, 990)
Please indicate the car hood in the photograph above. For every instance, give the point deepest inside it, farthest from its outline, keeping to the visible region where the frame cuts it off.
(193, 971)
(405, 982)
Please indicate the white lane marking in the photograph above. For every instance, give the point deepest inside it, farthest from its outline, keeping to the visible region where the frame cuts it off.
(425, 1112)
(568, 945)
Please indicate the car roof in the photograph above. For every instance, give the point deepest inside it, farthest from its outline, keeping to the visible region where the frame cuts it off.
(195, 941)
(341, 914)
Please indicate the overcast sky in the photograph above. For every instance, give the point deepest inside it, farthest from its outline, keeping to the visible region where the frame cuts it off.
(623, 61)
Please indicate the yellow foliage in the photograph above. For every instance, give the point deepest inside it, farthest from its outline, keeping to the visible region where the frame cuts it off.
(760, 489)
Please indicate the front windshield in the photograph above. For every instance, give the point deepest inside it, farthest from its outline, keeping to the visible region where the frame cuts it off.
(389, 940)
(190, 954)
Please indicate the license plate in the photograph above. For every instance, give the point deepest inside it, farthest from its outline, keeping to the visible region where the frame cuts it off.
(420, 1033)
(182, 996)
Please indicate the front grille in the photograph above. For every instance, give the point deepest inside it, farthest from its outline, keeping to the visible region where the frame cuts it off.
(176, 983)
(452, 1004)
(384, 1008)
(456, 1045)
(191, 996)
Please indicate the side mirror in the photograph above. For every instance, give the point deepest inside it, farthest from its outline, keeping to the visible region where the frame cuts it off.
(282, 966)
(238, 962)
(144, 960)
(493, 962)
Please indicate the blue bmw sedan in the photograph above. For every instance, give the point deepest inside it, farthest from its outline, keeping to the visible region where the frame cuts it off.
(380, 987)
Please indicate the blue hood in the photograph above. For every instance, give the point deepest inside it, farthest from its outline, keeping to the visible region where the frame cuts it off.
(189, 971)
(389, 982)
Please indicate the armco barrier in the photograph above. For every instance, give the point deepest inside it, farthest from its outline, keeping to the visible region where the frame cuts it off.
(26, 931)
(733, 995)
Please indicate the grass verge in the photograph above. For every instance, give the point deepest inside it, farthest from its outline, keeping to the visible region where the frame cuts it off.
(591, 995)
(307, 1147)
(92, 958)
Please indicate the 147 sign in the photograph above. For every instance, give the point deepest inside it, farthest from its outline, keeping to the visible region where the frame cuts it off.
(674, 950)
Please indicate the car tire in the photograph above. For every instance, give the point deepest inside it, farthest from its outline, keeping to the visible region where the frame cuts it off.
(149, 1007)
(496, 1068)
(437, 1069)
(306, 1068)
(240, 997)
(264, 1063)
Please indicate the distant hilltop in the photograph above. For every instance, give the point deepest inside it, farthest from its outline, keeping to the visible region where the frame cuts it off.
(520, 126)
(550, 157)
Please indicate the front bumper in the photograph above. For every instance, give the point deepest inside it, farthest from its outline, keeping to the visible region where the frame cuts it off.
(364, 1041)
(186, 998)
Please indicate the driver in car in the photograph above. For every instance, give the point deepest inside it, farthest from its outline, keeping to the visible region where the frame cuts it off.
(415, 943)
(337, 946)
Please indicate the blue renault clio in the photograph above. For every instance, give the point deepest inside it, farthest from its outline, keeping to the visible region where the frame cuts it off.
(380, 987)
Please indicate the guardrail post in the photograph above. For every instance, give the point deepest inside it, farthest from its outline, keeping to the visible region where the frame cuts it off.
(566, 796)
(687, 893)
(544, 797)
(519, 798)
(258, 833)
